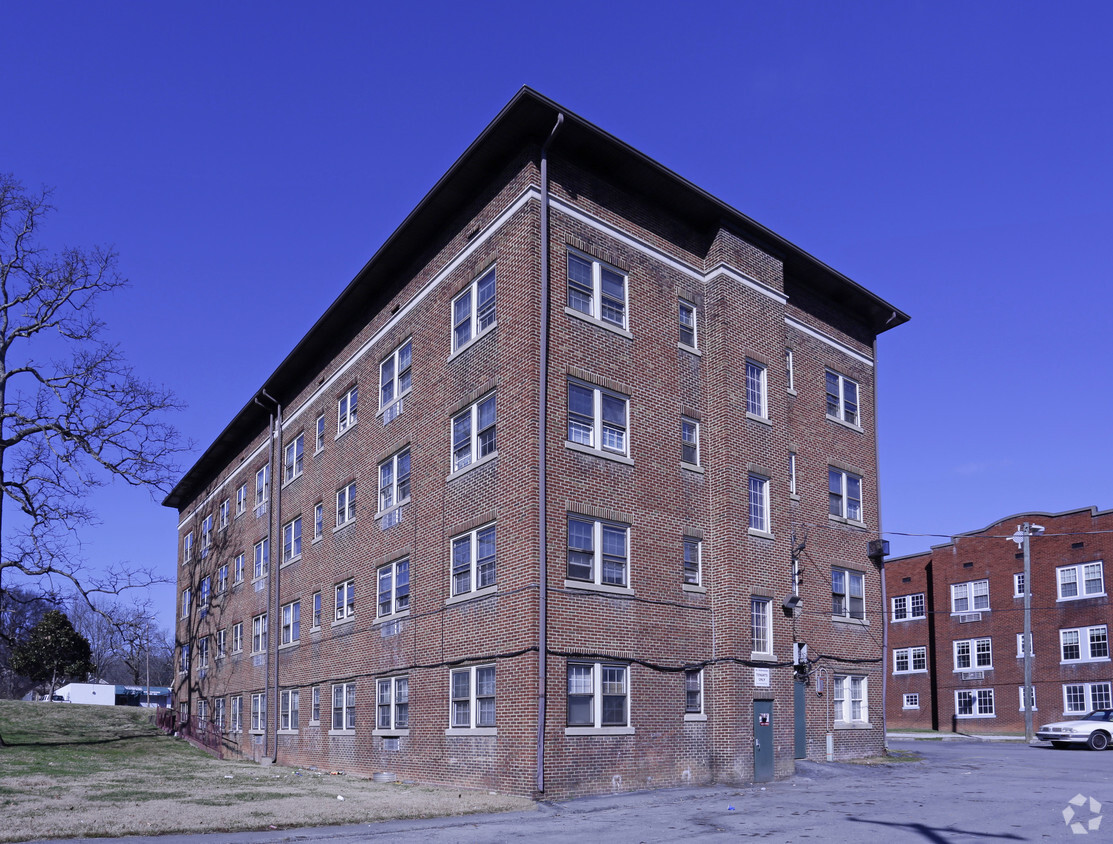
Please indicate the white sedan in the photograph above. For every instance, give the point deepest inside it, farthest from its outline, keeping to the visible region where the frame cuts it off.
(1093, 730)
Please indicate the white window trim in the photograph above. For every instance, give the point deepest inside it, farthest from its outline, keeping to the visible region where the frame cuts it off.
(1020, 645)
(472, 538)
(682, 306)
(762, 415)
(319, 434)
(318, 521)
(475, 332)
(473, 704)
(1089, 691)
(597, 728)
(241, 500)
(767, 624)
(1083, 644)
(347, 411)
(346, 612)
(973, 644)
(293, 528)
(286, 711)
(260, 636)
(396, 502)
(687, 541)
(347, 515)
(1018, 578)
(840, 413)
(394, 613)
(790, 371)
(905, 704)
(970, 596)
(793, 491)
(841, 710)
(260, 559)
(910, 655)
(262, 487)
(1080, 574)
(344, 710)
(701, 715)
(474, 458)
(597, 448)
(315, 705)
(396, 394)
(697, 464)
(595, 316)
(765, 530)
(287, 623)
(316, 611)
(1020, 699)
(596, 583)
(847, 616)
(237, 637)
(392, 684)
(976, 715)
(292, 468)
(907, 599)
(844, 497)
(258, 713)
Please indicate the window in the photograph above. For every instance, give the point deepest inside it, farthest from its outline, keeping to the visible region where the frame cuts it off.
(1084, 644)
(224, 514)
(222, 579)
(394, 374)
(187, 599)
(320, 441)
(262, 558)
(909, 660)
(790, 375)
(394, 481)
(473, 561)
(598, 695)
(346, 410)
(183, 658)
(235, 721)
(473, 433)
(237, 637)
(473, 310)
(847, 594)
(973, 654)
(1018, 585)
(761, 625)
(315, 705)
(291, 540)
(911, 701)
(237, 569)
(792, 474)
(241, 499)
(258, 712)
(345, 600)
(392, 704)
(755, 390)
(597, 418)
(318, 520)
(1032, 698)
(597, 551)
(259, 634)
(202, 711)
(596, 289)
(693, 692)
(688, 324)
(842, 398)
(187, 548)
(206, 535)
(344, 706)
(845, 495)
(218, 713)
(292, 460)
(183, 711)
(1086, 697)
(970, 597)
(974, 703)
(1020, 644)
(262, 486)
(689, 441)
(1081, 581)
(692, 558)
(288, 710)
(346, 504)
(203, 652)
(473, 697)
(291, 622)
(394, 588)
(759, 504)
(908, 607)
(849, 699)
(204, 593)
(315, 622)
(221, 643)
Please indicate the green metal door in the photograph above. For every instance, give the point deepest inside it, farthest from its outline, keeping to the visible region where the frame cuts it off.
(763, 740)
(800, 705)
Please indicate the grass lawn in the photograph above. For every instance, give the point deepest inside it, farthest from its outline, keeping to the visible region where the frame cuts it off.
(71, 770)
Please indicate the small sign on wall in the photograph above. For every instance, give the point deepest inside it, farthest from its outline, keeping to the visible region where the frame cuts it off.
(761, 677)
(763, 719)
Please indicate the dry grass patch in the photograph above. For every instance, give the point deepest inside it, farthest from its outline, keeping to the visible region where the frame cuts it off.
(73, 770)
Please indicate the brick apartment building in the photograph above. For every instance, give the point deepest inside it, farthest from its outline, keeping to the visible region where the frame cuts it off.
(563, 340)
(956, 626)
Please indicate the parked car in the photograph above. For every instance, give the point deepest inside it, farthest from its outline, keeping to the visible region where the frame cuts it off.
(1094, 730)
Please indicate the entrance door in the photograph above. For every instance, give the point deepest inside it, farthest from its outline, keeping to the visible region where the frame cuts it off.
(800, 702)
(763, 740)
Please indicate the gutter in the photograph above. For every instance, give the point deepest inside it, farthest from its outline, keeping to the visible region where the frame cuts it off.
(274, 500)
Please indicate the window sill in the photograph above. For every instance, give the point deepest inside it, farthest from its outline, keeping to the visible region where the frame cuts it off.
(911, 709)
(917, 671)
(342, 621)
(956, 613)
(607, 589)
(343, 525)
(351, 733)
(471, 342)
(975, 717)
(850, 622)
(255, 732)
(599, 731)
(316, 629)
(400, 398)
(842, 520)
(1083, 661)
(598, 323)
(485, 592)
(1079, 597)
(691, 467)
(694, 588)
(339, 434)
(967, 670)
(316, 723)
(761, 656)
(468, 732)
(384, 513)
(316, 539)
(404, 733)
(289, 481)
(387, 619)
(791, 391)
(597, 452)
(475, 464)
(903, 620)
(764, 420)
(760, 534)
(845, 424)
(287, 732)
(689, 716)
(692, 350)
(289, 645)
(853, 725)
(289, 562)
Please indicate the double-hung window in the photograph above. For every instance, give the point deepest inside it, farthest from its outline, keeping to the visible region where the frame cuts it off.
(259, 634)
(689, 441)
(218, 713)
(842, 398)
(1081, 581)
(693, 692)
(346, 407)
(344, 706)
(235, 719)
(262, 486)
(473, 433)
(346, 504)
(394, 588)
(394, 481)
(1086, 697)
(473, 560)
(974, 703)
(844, 495)
(237, 568)
(291, 540)
(473, 697)
(203, 652)
(291, 622)
(908, 607)
(288, 710)
(756, 390)
(790, 374)
(262, 558)
(759, 504)
(395, 377)
(258, 712)
(473, 310)
(1018, 585)
(847, 593)
(318, 520)
(909, 660)
(187, 599)
(973, 654)
(688, 324)
(598, 695)
(596, 289)
(1084, 644)
(319, 442)
(761, 625)
(1032, 698)
(187, 547)
(241, 499)
(206, 535)
(345, 605)
(392, 704)
(237, 637)
(224, 510)
(222, 579)
(315, 620)
(221, 643)
(597, 418)
(315, 705)
(597, 551)
(692, 563)
(1020, 645)
(204, 593)
(849, 699)
(183, 658)
(293, 458)
(970, 597)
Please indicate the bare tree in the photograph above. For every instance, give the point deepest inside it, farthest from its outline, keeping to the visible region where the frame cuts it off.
(73, 415)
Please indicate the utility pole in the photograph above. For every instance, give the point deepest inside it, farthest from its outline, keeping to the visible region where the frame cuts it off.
(1022, 537)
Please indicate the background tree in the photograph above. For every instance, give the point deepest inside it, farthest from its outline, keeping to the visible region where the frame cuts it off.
(53, 651)
(20, 610)
(73, 415)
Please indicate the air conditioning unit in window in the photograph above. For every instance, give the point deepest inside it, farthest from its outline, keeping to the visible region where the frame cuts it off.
(967, 617)
(973, 675)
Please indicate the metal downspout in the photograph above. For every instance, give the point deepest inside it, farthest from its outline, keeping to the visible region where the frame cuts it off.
(273, 575)
(880, 534)
(542, 456)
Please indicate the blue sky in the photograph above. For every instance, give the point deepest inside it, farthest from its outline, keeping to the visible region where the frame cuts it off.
(246, 159)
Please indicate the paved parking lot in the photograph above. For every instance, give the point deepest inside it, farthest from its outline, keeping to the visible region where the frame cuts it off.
(962, 790)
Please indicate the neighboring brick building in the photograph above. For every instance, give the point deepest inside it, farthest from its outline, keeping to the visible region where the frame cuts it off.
(708, 406)
(956, 618)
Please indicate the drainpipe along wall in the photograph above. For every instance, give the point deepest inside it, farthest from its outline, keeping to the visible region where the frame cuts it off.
(274, 500)
(543, 409)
